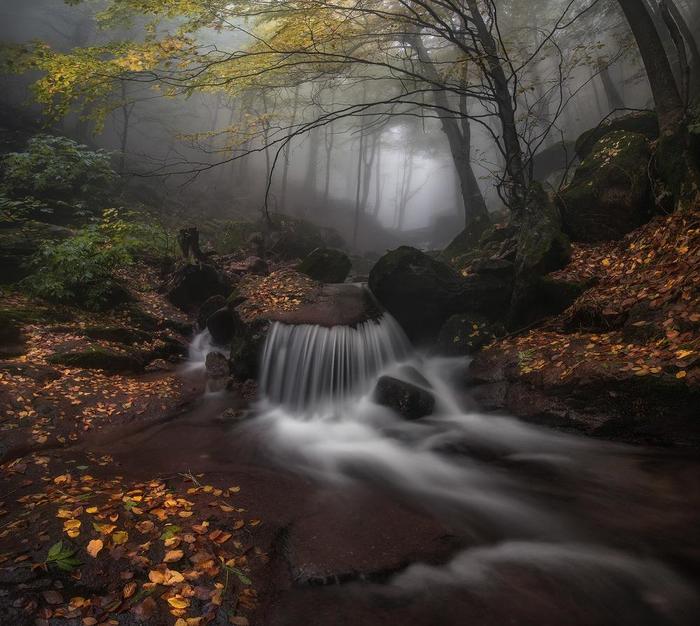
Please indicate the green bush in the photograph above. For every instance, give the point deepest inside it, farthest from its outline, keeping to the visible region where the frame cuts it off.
(142, 236)
(81, 270)
(57, 178)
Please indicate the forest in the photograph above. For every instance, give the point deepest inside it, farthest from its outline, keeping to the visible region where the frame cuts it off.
(349, 312)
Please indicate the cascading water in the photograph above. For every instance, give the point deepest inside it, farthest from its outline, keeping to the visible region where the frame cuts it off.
(533, 508)
(318, 417)
(305, 366)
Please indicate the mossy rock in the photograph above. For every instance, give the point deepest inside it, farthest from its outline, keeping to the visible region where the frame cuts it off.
(117, 334)
(610, 194)
(20, 241)
(542, 247)
(465, 333)
(419, 291)
(98, 358)
(643, 123)
(246, 347)
(326, 265)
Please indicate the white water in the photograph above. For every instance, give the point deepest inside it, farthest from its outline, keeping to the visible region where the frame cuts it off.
(526, 498)
(306, 367)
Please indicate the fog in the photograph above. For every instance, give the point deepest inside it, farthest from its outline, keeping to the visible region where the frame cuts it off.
(202, 153)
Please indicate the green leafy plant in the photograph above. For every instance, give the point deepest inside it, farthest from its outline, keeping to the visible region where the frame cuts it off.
(63, 557)
(58, 176)
(80, 270)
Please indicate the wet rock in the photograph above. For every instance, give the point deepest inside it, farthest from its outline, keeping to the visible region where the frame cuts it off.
(233, 415)
(117, 334)
(419, 291)
(246, 346)
(98, 358)
(221, 325)
(408, 400)
(209, 306)
(326, 265)
(217, 365)
(542, 247)
(464, 334)
(191, 284)
(332, 305)
(160, 365)
(610, 193)
(20, 241)
(645, 123)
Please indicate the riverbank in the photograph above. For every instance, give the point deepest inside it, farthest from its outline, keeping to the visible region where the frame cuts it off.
(623, 361)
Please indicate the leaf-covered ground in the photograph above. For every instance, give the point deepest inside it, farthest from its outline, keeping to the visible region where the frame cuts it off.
(642, 313)
(80, 544)
(628, 348)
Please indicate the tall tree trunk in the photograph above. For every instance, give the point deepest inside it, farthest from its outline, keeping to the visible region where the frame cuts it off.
(476, 218)
(356, 225)
(312, 163)
(669, 105)
(285, 164)
(378, 182)
(614, 98)
(516, 180)
(368, 161)
(328, 140)
(406, 180)
(691, 41)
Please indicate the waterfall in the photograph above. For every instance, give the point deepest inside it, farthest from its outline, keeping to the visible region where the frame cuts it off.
(307, 366)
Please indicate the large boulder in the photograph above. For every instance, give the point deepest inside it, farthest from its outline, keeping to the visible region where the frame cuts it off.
(191, 284)
(643, 123)
(221, 325)
(209, 306)
(542, 247)
(408, 400)
(419, 291)
(326, 265)
(610, 193)
(20, 241)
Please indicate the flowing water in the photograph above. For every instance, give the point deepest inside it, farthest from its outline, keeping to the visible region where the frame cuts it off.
(544, 527)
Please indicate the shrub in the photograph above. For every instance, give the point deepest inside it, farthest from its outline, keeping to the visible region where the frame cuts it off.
(80, 270)
(58, 177)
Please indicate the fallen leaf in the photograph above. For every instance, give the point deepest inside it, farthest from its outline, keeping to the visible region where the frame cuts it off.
(94, 547)
(173, 555)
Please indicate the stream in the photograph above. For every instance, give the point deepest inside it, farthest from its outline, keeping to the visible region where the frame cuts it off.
(456, 518)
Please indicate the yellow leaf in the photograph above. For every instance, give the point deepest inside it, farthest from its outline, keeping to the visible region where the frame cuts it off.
(120, 537)
(178, 602)
(681, 374)
(104, 529)
(173, 555)
(94, 547)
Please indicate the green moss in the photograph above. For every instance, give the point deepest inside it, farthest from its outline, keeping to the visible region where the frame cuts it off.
(610, 193)
(644, 123)
(98, 358)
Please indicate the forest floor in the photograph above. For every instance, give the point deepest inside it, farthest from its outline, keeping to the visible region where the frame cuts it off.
(125, 499)
(624, 359)
(78, 538)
